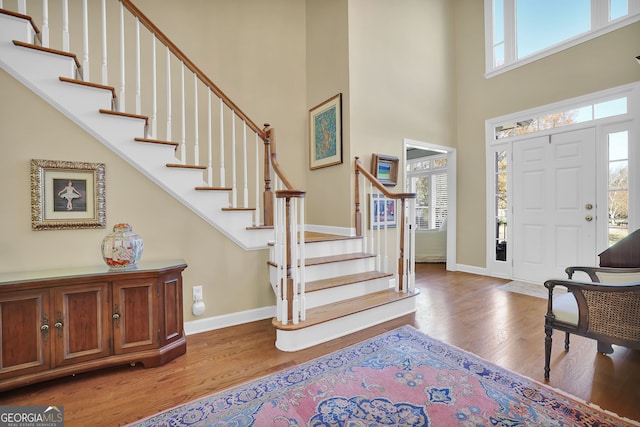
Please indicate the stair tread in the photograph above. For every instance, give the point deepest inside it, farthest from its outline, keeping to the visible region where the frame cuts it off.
(122, 114)
(337, 258)
(179, 166)
(348, 279)
(156, 141)
(336, 310)
(89, 84)
(314, 236)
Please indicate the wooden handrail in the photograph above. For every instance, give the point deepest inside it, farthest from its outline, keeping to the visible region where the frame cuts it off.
(380, 186)
(270, 135)
(403, 266)
(191, 66)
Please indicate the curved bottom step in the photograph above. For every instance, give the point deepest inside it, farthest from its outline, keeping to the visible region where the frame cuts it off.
(314, 331)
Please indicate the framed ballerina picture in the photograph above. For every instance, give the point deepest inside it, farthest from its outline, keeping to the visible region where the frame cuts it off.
(67, 195)
(325, 133)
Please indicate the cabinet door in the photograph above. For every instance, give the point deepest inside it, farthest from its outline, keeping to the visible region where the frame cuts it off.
(81, 323)
(171, 303)
(135, 308)
(24, 333)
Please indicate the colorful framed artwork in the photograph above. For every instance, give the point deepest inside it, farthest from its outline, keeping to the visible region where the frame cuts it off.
(382, 212)
(325, 133)
(67, 195)
(385, 168)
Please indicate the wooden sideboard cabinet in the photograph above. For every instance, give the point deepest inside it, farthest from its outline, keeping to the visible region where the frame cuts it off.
(61, 322)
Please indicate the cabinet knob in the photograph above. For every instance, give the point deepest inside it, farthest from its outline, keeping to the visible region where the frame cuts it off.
(44, 328)
(58, 325)
(116, 316)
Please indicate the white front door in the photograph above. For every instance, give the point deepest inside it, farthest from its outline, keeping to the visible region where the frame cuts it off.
(554, 200)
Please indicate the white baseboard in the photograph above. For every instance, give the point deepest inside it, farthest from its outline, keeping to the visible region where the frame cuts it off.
(226, 320)
(472, 269)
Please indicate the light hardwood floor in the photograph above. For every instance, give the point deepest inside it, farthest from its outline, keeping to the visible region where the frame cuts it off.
(461, 309)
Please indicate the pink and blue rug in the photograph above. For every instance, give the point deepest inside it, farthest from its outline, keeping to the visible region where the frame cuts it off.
(400, 378)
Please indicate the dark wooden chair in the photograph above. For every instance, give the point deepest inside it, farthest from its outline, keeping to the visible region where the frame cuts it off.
(606, 309)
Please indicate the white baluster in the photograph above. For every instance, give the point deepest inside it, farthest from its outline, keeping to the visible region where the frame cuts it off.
(85, 41)
(209, 141)
(412, 258)
(277, 259)
(256, 213)
(105, 72)
(169, 109)
(397, 256)
(385, 258)
(196, 142)
(154, 89)
(303, 303)
(283, 262)
(222, 171)
(122, 97)
(244, 156)
(138, 94)
(183, 121)
(295, 307)
(65, 25)
(22, 7)
(45, 22)
(234, 189)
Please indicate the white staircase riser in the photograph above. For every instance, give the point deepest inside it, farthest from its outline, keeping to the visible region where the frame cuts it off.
(331, 270)
(339, 293)
(337, 269)
(332, 247)
(307, 337)
(12, 28)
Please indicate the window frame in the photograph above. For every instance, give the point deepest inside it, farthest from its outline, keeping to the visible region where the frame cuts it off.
(600, 25)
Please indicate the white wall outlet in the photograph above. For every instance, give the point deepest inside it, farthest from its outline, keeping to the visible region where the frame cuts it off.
(197, 293)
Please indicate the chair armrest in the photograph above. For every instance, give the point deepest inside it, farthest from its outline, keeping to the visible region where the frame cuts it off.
(605, 310)
(607, 274)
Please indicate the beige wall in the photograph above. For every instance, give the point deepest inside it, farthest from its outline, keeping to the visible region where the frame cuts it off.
(602, 63)
(402, 83)
(328, 75)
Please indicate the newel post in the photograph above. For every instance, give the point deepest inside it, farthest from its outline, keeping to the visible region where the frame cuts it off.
(358, 214)
(402, 285)
(267, 200)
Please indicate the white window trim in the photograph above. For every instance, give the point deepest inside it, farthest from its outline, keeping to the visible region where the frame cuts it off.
(599, 26)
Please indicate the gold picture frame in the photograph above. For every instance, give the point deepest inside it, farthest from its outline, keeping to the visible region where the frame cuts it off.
(325, 133)
(385, 168)
(67, 195)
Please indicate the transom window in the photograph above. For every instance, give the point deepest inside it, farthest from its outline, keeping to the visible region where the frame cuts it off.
(579, 114)
(522, 31)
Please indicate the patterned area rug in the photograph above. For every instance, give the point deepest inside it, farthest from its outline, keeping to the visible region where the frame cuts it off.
(400, 378)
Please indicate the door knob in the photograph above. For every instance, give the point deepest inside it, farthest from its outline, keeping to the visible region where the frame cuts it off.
(588, 217)
(588, 206)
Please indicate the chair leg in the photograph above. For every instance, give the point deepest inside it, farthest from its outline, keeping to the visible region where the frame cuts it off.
(604, 347)
(566, 341)
(547, 351)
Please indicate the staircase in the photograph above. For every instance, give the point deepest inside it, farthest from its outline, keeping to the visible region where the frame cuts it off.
(339, 287)
(344, 293)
